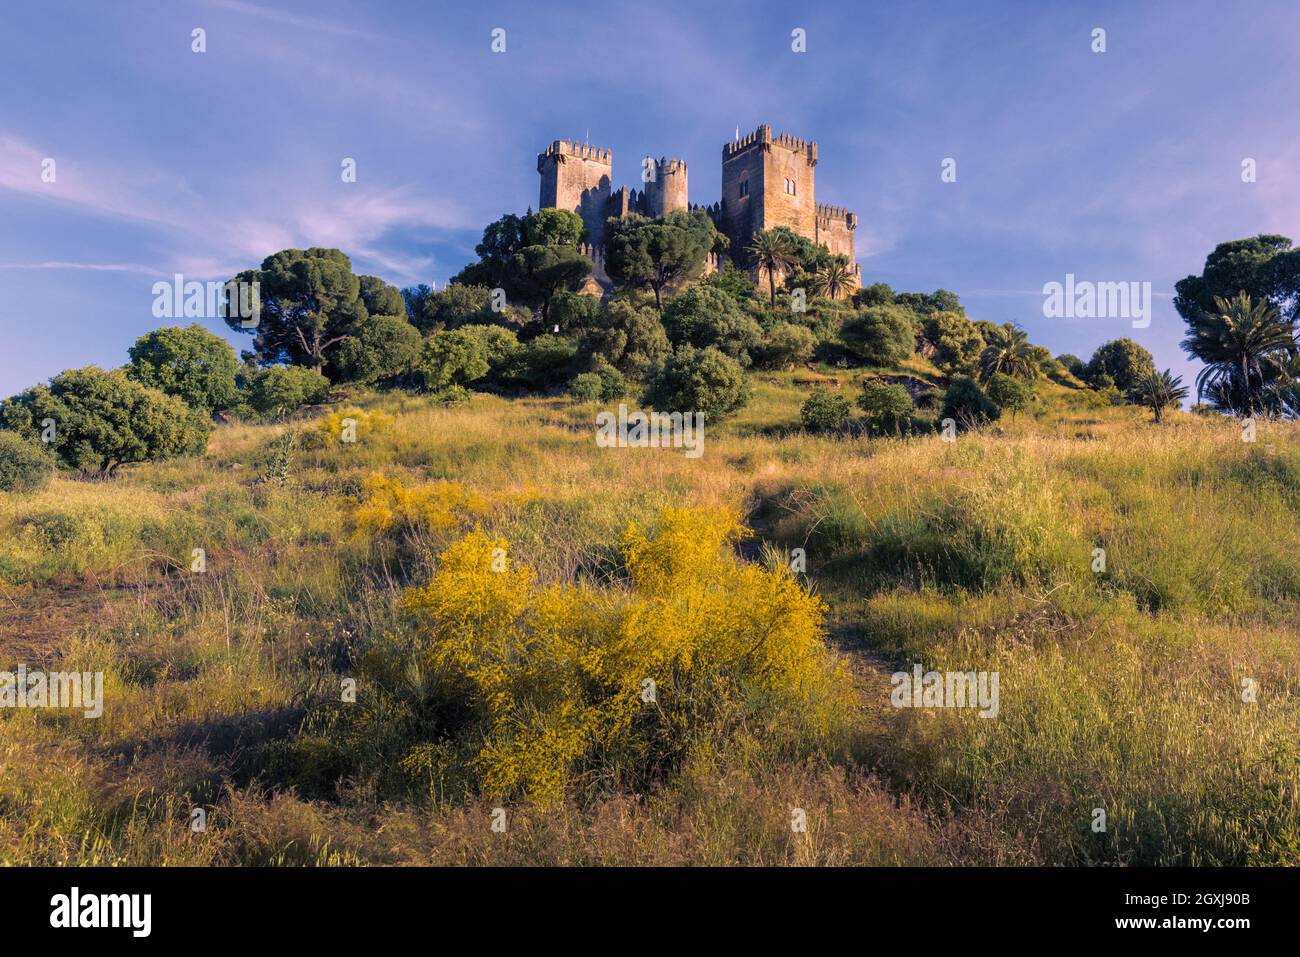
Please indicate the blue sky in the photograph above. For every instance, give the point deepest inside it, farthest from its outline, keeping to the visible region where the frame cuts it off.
(1122, 166)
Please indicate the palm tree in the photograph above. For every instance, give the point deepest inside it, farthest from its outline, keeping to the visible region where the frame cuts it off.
(833, 279)
(1008, 351)
(1159, 390)
(774, 253)
(1247, 350)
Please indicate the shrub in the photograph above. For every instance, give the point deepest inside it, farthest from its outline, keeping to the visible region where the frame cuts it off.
(346, 426)
(629, 337)
(281, 389)
(880, 335)
(1009, 393)
(1071, 364)
(700, 380)
(532, 691)
(391, 508)
(887, 406)
(1120, 362)
(965, 403)
(585, 387)
(824, 411)
(500, 345)
(786, 345)
(453, 357)
(957, 343)
(613, 384)
(191, 364)
(541, 363)
(101, 420)
(704, 316)
(382, 347)
(24, 465)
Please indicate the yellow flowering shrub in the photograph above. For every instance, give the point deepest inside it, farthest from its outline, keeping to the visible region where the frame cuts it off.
(389, 505)
(574, 686)
(345, 426)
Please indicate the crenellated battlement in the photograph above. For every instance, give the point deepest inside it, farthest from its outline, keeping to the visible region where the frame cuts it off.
(585, 151)
(669, 167)
(762, 138)
(836, 214)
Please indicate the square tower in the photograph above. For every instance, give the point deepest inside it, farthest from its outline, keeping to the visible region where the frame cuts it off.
(767, 181)
(576, 177)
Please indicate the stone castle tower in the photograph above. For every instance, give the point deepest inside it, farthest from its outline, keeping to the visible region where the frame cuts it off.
(767, 181)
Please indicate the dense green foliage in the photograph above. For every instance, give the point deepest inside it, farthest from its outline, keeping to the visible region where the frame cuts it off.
(98, 421)
(190, 363)
(24, 465)
(700, 380)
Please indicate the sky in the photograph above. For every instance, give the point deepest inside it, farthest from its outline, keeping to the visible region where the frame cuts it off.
(1122, 166)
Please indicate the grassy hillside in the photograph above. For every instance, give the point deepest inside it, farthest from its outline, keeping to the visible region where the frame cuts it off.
(1120, 690)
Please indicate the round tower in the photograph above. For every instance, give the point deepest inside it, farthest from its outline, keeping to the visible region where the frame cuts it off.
(667, 191)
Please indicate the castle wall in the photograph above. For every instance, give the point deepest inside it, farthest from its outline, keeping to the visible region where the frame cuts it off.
(576, 177)
(835, 228)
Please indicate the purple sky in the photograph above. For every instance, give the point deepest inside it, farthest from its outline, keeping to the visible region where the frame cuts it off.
(1120, 166)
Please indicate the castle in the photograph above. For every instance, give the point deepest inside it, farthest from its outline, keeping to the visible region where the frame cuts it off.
(767, 181)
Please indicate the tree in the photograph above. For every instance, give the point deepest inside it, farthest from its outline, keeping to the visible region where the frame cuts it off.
(1123, 361)
(699, 380)
(1007, 350)
(956, 342)
(1159, 390)
(927, 303)
(552, 227)
(887, 406)
(453, 307)
(703, 316)
(453, 357)
(311, 302)
(510, 236)
(1248, 350)
(380, 298)
(1264, 267)
(1009, 393)
(101, 420)
(877, 294)
(833, 279)
(653, 255)
(382, 347)
(880, 335)
(773, 253)
(537, 273)
(278, 390)
(824, 411)
(416, 300)
(190, 363)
